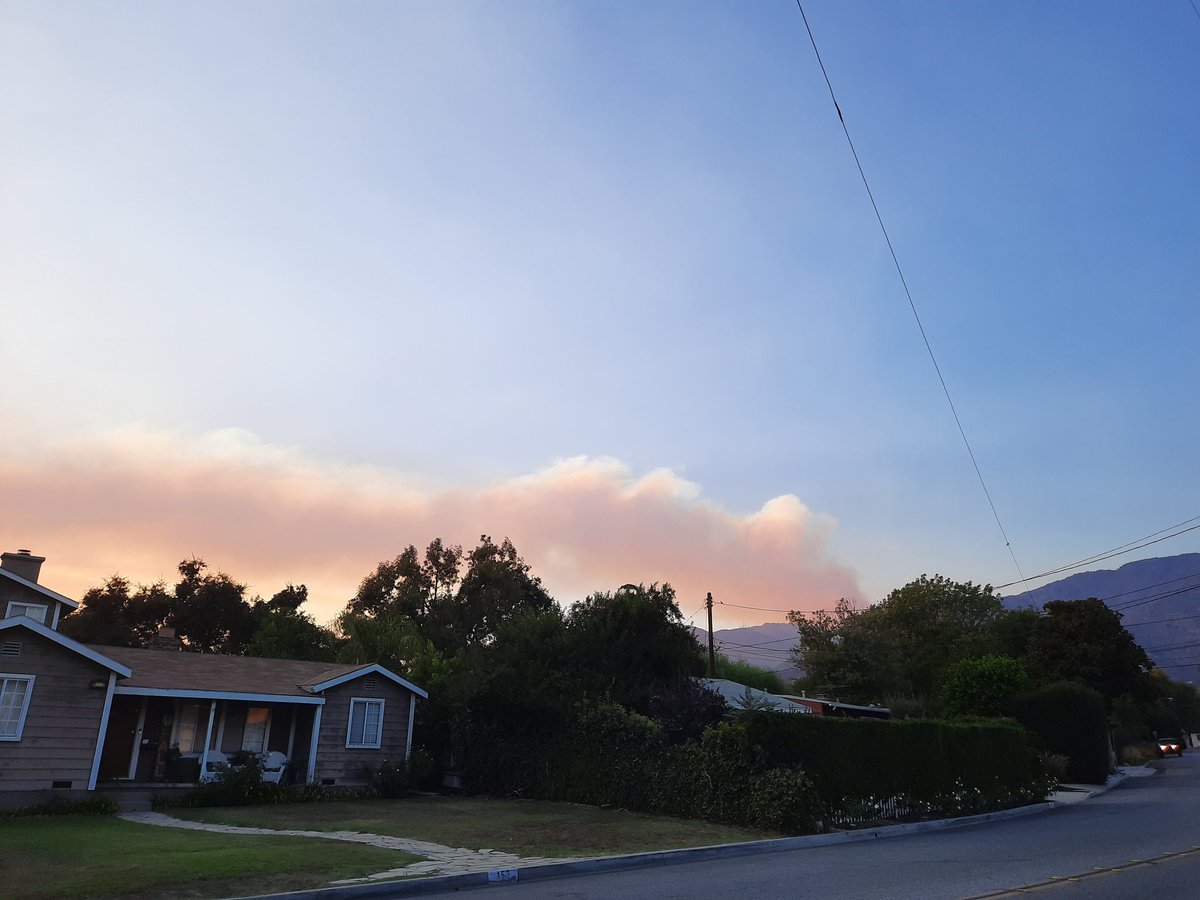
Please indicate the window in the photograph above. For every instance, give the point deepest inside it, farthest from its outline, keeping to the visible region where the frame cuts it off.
(189, 734)
(35, 611)
(15, 691)
(366, 723)
(254, 738)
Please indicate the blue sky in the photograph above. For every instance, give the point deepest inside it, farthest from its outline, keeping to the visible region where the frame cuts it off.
(530, 262)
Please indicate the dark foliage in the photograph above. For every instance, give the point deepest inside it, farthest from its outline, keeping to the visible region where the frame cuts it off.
(1072, 720)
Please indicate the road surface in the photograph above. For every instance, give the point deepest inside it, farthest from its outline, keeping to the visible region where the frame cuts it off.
(1140, 839)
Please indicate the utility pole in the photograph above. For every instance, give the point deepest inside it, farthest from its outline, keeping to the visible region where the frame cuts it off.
(712, 654)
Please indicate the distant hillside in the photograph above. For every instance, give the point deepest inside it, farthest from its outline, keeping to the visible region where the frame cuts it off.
(766, 646)
(1159, 601)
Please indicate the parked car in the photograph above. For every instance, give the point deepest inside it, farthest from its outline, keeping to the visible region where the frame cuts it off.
(1170, 745)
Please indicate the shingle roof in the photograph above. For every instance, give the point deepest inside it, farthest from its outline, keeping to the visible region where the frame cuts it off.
(210, 672)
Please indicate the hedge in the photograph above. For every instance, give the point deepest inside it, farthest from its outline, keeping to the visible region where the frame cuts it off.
(1072, 720)
(865, 768)
(607, 756)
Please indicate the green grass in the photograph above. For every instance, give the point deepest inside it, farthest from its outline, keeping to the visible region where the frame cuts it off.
(523, 827)
(102, 857)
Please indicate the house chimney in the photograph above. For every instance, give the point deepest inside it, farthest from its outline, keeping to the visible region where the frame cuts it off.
(23, 564)
(166, 639)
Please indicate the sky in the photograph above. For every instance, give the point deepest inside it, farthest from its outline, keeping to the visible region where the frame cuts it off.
(290, 286)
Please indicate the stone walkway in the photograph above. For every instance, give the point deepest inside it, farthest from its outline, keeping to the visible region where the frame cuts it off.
(438, 860)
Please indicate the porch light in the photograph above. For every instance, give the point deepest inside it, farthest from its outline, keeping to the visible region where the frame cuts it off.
(98, 684)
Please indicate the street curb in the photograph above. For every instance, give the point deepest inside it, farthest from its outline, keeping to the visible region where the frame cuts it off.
(663, 858)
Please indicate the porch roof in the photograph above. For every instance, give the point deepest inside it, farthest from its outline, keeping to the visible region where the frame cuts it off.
(210, 674)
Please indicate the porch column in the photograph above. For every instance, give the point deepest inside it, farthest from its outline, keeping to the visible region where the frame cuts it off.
(212, 712)
(412, 711)
(312, 745)
(112, 683)
(292, 733)
(137, 740)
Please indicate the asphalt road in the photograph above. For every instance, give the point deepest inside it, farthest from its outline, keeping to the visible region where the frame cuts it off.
(1140, 839)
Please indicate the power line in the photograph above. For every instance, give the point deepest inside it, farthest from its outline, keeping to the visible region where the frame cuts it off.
(1147, 587)
(1161, 621)
(1121, 550)
(1154, 599)
(755, 608)
(904, 283)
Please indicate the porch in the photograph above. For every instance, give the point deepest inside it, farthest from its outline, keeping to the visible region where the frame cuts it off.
(163, 740)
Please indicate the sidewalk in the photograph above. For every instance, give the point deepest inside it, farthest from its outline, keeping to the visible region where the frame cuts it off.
(450, 868)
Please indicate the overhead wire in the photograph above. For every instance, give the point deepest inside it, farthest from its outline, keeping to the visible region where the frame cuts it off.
(1121, 550)
(907, 293)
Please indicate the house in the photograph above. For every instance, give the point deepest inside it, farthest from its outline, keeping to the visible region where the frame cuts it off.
(77, 717)
(823, 707)
(739, 696)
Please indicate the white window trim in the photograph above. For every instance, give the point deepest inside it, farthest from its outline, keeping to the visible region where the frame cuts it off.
(350, 743)
(44, 607)
(29, 679)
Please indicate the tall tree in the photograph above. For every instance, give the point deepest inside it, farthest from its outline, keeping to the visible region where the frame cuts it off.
(632, 644)
(113, 616)
(1084, 641)
(283, 631)
(211, 613)
(902, 645)
(497, 585)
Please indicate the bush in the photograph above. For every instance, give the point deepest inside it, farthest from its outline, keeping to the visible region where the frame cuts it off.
(908, 768)
(773, 771)
(1071, 720)
(607, 756)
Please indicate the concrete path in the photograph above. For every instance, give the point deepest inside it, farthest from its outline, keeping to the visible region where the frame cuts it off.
(439, 860)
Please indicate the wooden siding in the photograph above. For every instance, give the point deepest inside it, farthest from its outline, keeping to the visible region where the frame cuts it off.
(10, 590)
(344, 765)
(59, 740)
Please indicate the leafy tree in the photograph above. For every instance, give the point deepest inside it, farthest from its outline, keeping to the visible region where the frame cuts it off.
(843, 654)
(685, 709)
(632, 644)
(1013, 630)
(389, 640)
(983, 686)
(902, 645)
(210, 611)
(1176, 707)
(408, 585)
(498, 585)
(1083, 641)
(112, 616)
(748, 674)
(282, 631)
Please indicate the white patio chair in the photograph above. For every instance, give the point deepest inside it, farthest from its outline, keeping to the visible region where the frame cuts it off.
(273, 766)
(217, 761)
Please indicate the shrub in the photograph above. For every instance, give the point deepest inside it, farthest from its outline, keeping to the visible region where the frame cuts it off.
(908, 768)
(983, 686)
(1071, 720)
(608, 756)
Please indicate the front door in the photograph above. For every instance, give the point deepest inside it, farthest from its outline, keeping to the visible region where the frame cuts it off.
(118, 742)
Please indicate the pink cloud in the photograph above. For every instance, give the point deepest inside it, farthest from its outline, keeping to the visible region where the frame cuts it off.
(136, 502)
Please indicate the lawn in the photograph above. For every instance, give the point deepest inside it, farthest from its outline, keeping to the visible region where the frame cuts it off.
(523, 827)
(105, 857)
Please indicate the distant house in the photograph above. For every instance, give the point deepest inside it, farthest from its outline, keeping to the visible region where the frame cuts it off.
(740, 696)
(822, 707)
(74, 717)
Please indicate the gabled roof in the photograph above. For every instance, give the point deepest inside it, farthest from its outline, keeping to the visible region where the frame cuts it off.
(44, 591)
(182, 674)
(335, 678)
(67, 643)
